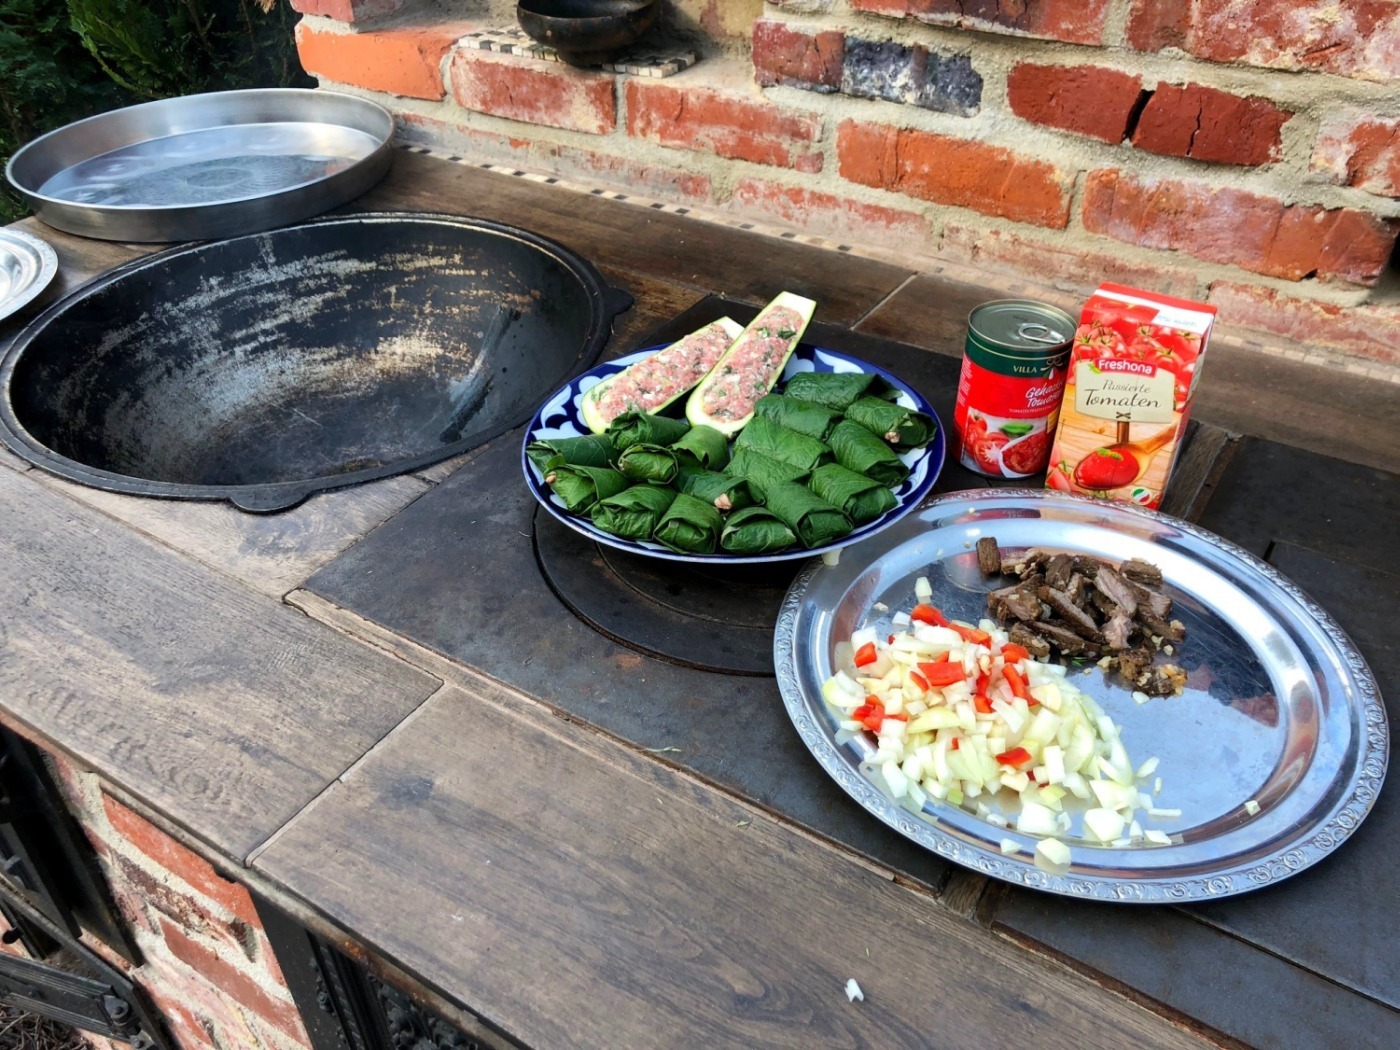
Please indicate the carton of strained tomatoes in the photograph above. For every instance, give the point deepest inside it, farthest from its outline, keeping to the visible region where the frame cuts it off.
(1133, 368)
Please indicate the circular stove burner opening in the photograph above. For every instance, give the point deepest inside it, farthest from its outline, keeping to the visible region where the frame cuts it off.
(702, 616)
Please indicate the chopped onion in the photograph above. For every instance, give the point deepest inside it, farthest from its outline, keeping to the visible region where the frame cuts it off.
(923, 590)
(1051, 854)
(1251, 807)
(853, 991)
(831, 557)
(1157, 838)
(1009, 846)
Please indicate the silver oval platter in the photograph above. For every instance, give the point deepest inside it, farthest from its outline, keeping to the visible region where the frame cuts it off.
(27, 266)
(201, 167)
(1279, 710)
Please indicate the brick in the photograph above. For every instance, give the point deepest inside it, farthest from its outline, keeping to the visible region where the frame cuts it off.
(231, 981)
(1087, 100)
(1353, 38)
(1073, 21)
(726, 125)
(803, 7)
(961, 172)
(831, 216)
(142, 890)
(1367, 330)
(1357, 149)
(192, 1032)
(894, 72)
(405, 62)
(1204, 123)
(1062, 263)
(1157, 24)
(547, 93)
(347, 10)
(1233, 226)
(184, 864)
(811, 61)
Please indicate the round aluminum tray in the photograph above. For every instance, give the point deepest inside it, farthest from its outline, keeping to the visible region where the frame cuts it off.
(27, 265)
(205, 166)
(1280, 708)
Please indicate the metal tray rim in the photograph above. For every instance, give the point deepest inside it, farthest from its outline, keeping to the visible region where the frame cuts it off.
(46, 269)
(1354, 801)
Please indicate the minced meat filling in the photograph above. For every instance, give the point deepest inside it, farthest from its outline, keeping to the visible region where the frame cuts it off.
(654, 381)
(752, 366)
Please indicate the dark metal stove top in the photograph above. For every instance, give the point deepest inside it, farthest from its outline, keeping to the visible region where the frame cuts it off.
(675, 661)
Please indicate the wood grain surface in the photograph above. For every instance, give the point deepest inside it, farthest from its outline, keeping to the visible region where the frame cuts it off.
(589, 897)
(218, 707)
(644, 240)
(272, 553)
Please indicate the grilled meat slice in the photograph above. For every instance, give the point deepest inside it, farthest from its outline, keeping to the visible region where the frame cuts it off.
(1078, 590)
(1029, 640)
(1078, 620)
(1117, 630)
(1159, 604)
(1102, 602)
(1087, 565)
(1154, 625)
(1065, 640)
(1167, 680)
(1118, 589)
(1029, 561)
(1058, 570)
(1018, 602)
(988, 556)
(1134, 663)
(1143, 572)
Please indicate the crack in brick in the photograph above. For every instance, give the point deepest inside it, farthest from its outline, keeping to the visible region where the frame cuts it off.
(1191, 142)
(1135, 113)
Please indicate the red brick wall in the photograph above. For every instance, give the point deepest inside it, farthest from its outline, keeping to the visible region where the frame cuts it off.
(207, 965)
(1241, 151)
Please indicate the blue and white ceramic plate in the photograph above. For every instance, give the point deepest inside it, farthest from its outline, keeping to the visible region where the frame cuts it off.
(560, 416)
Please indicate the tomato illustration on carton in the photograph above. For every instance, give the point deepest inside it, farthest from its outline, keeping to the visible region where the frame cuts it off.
(1133, 368)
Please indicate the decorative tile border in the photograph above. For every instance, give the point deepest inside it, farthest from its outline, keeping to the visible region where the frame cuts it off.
(926, 265)
(641, 62)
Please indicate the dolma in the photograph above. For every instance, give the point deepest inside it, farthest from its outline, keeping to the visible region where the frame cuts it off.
(837, 390)
(901, 427)
(723, 492)
(754, 530)
(805, 417)
(591, 450)
(652, 463)
(760, 471)
(859, 450)
(581, 487)
(633, 513)
(815, 521)
(703, 446)
(860, 498)
(640, 428)
(778, 442)
(689, 526)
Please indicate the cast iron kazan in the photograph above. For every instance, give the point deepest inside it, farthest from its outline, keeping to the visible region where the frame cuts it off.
(267, 367)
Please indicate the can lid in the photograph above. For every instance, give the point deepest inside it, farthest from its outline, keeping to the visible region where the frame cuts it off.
(1021, 324)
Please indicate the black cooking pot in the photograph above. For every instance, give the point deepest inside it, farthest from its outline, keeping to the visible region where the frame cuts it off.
(264, 368)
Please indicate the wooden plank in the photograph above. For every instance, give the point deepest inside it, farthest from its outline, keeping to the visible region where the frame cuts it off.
(575, 894)
(672, 247)
(216, 706)
(271, 553)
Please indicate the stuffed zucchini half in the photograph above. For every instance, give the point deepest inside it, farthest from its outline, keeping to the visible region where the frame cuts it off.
(749, 369)
(656, 381)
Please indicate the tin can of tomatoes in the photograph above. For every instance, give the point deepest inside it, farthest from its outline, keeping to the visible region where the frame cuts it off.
(1013, 377)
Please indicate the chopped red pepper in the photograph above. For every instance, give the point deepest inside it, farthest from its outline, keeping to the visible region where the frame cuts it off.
(1016, 682)
(870, 714)
(899, 716)
(971, 634)
(955, 744)
(891, 639)
(866, 654)
(983, 705)
(928, 614)
(984, 685)
(942, 658)
(1013, 653)
(919, 680)
(942, 674)
(1017, 756)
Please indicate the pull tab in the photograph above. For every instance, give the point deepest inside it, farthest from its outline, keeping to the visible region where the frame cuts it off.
(1035, 332)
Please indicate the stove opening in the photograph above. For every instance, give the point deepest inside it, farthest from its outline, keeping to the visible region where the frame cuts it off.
(709, 617)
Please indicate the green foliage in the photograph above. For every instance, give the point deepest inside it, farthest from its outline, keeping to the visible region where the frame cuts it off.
(62, 60)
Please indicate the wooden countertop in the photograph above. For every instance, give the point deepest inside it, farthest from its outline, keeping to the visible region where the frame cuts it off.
(569, 889)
